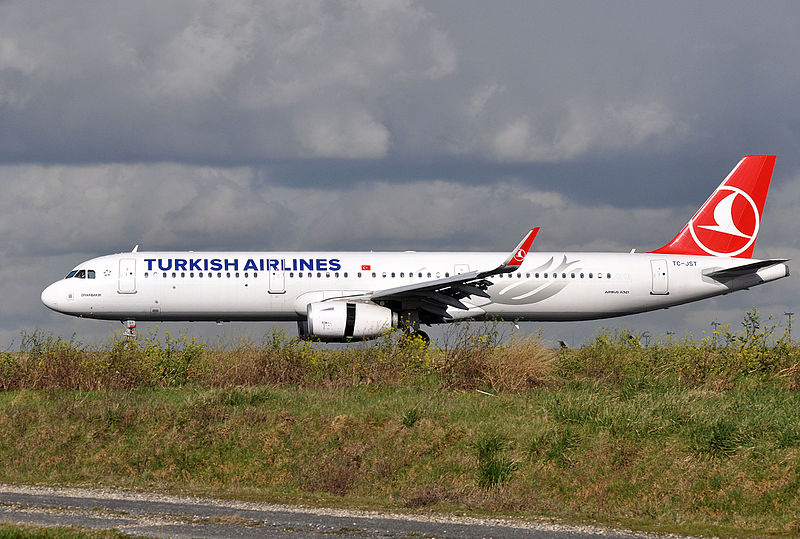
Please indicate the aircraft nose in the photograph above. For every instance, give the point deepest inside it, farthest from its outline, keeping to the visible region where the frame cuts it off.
(50, 297)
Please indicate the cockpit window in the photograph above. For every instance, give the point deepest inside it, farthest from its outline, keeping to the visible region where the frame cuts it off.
(81, 274)
(71, 274)
(90, 274)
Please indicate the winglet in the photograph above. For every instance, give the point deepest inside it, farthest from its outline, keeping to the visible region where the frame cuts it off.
(517, 256)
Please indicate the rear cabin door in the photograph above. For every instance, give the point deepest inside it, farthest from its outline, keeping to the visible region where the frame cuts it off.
(277, 282)
(127, 276)
(660, 277)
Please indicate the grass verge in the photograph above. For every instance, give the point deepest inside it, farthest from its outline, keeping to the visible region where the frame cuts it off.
(660, 458)
(683, 436)
(24, 531)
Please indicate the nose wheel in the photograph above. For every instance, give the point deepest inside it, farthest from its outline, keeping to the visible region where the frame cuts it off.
(130, 328)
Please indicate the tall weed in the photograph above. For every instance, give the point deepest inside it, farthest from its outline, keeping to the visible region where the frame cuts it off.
(471, 356)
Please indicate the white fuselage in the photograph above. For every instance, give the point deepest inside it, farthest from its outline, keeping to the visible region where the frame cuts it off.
(278, 286)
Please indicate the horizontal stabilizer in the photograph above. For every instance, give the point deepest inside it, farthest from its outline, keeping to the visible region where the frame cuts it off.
(746, 269)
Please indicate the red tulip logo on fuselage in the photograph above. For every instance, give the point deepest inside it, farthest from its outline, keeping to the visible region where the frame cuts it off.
(727, 225)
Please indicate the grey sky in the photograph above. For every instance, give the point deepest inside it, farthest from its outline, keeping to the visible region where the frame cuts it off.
(385, 125)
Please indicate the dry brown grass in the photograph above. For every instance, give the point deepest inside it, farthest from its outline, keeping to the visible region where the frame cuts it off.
(521, 364)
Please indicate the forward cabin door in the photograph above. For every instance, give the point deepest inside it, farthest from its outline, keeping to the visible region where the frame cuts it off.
(127, 276)
(277, 282)
(660, 277)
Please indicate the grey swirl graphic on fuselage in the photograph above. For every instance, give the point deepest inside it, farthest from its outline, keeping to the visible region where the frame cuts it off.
(532, 290)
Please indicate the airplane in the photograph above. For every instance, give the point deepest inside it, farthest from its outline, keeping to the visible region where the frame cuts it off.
(347, 296)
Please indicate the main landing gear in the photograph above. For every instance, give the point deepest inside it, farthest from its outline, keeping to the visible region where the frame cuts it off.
(409, 322)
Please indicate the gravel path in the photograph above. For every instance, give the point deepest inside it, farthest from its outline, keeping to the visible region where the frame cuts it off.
(172, 516)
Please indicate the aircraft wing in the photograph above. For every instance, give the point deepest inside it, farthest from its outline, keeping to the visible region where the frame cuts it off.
(745, 269)
(434, 297)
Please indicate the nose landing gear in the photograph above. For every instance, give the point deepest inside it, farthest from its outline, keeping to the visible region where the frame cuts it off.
(130, 328)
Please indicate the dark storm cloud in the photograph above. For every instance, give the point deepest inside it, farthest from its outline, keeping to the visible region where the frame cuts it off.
(208, 81)
(583, 97)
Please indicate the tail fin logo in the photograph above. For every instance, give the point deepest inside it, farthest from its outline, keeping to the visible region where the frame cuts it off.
(520, 256)
(734, 223)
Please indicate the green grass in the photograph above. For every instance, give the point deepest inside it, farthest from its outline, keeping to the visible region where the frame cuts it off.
(663, 458)
(688, 437)
(19, 531)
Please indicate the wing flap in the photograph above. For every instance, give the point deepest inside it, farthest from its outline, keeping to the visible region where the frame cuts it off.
(436, 296)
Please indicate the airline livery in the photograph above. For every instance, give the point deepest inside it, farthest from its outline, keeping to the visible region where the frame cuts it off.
(343, 296)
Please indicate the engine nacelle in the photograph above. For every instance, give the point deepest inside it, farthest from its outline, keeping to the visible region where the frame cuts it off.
(340, 321)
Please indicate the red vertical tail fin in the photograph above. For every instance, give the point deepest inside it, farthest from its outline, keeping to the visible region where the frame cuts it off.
(727, 223)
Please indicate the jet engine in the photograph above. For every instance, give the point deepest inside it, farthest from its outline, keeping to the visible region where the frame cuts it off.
(340, 321)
